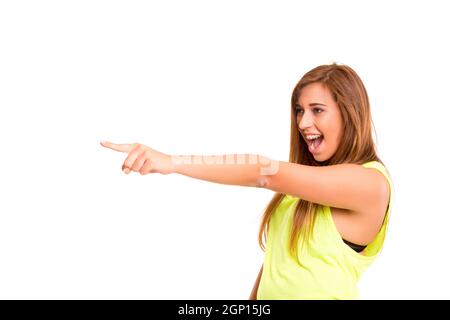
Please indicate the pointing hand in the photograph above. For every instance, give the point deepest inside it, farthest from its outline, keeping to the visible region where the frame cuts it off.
(142, 159)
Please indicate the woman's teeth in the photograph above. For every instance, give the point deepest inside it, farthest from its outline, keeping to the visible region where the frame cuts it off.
(313, 137)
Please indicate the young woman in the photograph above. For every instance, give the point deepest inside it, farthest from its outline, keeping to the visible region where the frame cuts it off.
(327, 221)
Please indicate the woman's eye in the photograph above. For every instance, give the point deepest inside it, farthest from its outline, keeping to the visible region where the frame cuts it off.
(316, 110)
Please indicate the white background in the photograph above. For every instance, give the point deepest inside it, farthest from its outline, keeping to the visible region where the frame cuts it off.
(202, 77)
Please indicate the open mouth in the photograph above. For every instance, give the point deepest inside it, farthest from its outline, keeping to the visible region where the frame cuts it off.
(314, 143)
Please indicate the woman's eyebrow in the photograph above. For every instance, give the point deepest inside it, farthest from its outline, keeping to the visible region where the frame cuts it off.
(313, 104)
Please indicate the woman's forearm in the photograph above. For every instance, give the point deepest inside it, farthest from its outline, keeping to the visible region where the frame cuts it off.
(234, 169)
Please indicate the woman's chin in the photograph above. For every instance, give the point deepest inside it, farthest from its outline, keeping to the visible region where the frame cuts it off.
(320, 157)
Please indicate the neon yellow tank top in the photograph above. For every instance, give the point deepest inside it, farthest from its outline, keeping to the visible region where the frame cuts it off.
(329, 268)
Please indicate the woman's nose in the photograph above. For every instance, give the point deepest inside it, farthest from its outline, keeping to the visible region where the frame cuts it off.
(305, 122)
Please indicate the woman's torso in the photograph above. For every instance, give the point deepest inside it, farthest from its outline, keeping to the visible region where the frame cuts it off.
(328, 268)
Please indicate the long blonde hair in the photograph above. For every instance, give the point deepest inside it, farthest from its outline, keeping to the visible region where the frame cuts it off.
(357, 145)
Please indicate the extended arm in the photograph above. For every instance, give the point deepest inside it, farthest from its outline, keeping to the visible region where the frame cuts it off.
(346, 186)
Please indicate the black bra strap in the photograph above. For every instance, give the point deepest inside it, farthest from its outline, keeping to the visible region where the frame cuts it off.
(356, 247)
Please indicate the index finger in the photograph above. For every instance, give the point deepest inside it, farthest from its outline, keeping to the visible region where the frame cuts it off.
(124, 147)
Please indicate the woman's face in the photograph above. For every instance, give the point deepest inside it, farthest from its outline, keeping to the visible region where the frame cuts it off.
(318, 115)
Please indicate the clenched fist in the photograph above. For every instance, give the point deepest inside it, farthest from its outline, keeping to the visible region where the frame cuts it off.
(142, 159)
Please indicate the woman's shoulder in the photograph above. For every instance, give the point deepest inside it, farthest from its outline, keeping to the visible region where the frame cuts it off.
(374, 164)
(378, 165)
(385, 197)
